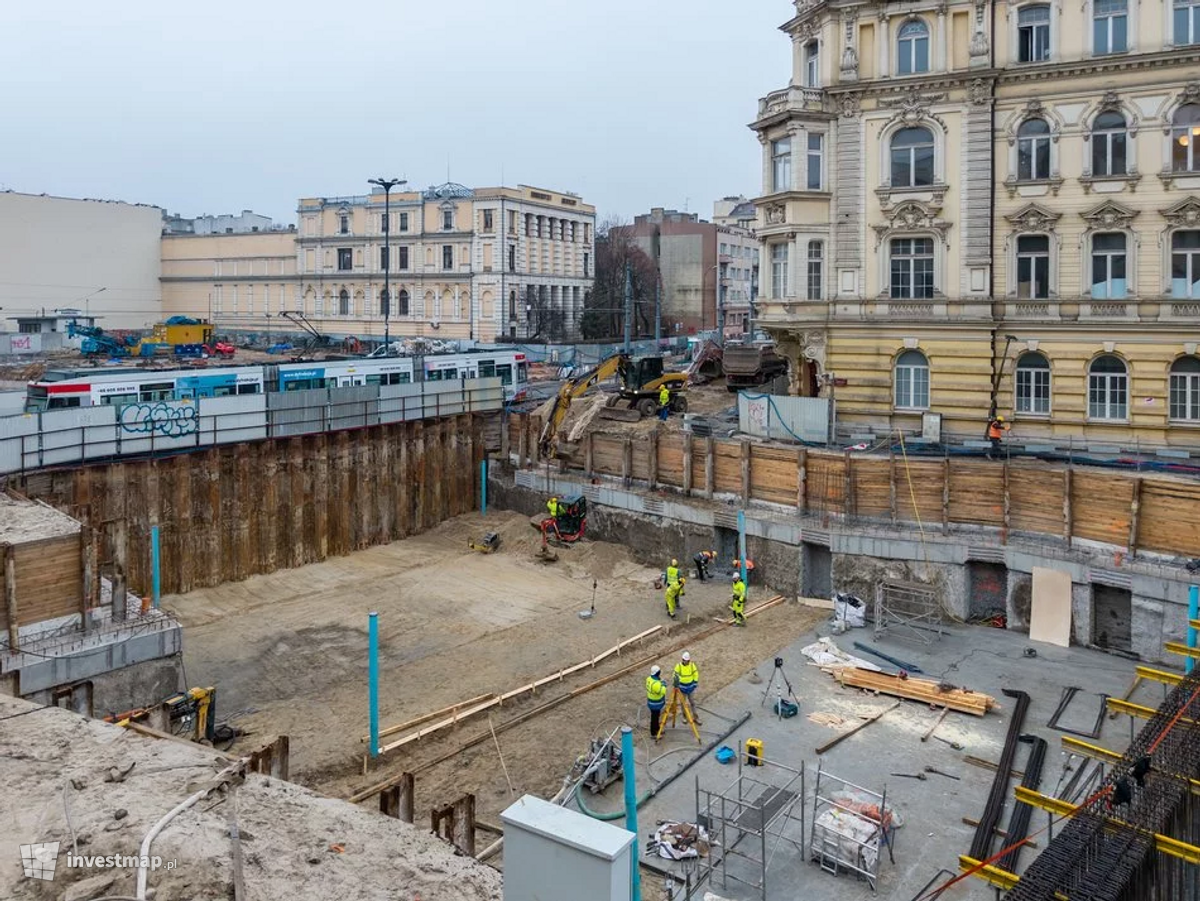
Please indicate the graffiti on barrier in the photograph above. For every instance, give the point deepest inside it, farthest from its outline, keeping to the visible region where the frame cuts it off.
(160, 418)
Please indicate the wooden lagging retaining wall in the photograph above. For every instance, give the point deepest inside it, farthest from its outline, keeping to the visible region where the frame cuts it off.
(1136, 512)
(231, 512)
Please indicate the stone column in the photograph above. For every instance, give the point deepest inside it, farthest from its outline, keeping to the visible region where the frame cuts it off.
(940, 62)
(885, 47)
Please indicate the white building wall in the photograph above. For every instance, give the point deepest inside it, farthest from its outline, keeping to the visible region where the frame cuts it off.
(56, 251)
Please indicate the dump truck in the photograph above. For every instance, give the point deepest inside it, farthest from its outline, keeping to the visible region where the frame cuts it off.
(751, 365)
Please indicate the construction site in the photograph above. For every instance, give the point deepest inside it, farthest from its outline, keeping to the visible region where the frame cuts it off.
(412, 658)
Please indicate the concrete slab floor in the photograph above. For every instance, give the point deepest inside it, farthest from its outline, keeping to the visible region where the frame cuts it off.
(933, 834)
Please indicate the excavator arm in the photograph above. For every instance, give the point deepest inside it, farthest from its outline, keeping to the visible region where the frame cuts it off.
(572, 389)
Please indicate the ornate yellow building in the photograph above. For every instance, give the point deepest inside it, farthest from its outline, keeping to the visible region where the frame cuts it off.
(468, 264)
(972, 206)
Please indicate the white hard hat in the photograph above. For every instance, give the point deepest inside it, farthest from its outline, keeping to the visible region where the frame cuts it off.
(655, 670)
(687, 656)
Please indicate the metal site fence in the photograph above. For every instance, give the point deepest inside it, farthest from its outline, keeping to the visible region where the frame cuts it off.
(34, 441)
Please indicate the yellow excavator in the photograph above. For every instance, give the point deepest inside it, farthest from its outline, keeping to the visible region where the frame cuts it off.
(639, 380)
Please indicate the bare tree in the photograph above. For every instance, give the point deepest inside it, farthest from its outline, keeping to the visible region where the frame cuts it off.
(616, 249)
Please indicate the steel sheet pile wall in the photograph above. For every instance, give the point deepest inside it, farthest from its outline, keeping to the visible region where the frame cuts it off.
(1126, 510)
(1094, 858)
(230, 512)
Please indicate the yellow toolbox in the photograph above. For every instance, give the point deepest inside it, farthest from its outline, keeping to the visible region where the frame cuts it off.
(754, 751)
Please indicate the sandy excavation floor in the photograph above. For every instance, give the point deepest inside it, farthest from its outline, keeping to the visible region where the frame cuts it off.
(287, 653)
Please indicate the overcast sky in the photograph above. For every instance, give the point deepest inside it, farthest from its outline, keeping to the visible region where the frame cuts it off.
(217, 106)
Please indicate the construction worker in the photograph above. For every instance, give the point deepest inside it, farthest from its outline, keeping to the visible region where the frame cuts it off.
(672, 595)
(737, 567)
(553, 507)
(656, 697)
(687, 678)
(664, 403)
(673, 572)
(995, 433)
(703, 560)
(738, 604)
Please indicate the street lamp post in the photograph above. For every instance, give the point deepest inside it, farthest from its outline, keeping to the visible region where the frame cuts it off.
(387, 184)
(87, 305)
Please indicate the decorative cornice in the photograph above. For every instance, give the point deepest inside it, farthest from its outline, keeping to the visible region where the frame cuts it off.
(913, 107)
(1109, 215)
(910, 216)
(1033, 217)
(1100, 65)
(1131, 179)
(1185, 214)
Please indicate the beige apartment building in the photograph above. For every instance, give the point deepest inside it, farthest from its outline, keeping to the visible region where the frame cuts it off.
(467, 264)
(971, 207)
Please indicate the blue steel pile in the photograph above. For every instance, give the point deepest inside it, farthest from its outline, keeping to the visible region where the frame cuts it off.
(1113, 848)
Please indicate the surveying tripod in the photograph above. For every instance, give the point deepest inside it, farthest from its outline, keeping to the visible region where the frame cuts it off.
(778, 671)
(678, 700)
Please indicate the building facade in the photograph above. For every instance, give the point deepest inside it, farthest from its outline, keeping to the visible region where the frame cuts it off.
(98, 256)
(468, 264)
(707, 270)
(224, 224)
(971, 207)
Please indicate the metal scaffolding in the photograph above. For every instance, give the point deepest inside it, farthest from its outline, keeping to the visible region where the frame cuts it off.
(910, 606)
(754, 806)
(851, 826)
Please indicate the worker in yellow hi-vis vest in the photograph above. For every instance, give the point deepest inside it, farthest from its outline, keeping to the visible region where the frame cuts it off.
(738, 604)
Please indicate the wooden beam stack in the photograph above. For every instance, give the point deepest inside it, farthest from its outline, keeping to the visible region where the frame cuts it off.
(928, 691)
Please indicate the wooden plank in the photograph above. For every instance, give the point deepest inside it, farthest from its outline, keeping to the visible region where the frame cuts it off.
(490, 733)
(710, 467)
(10, 597)
(1050, 617)
(652, 461)
(892, 482)
(924, 690)
(424, 718)
(802, 480)
(439, 726)
(688, 442)
(744, 452)
(1134, 508)
(1067, 506)
(946, 495)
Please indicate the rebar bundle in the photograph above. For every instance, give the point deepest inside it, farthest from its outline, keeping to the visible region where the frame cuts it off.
(1107, 850)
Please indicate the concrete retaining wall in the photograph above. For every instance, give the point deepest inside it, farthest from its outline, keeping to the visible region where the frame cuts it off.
(662, 524)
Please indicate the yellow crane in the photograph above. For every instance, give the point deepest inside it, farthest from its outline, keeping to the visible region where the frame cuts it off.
(640, 381)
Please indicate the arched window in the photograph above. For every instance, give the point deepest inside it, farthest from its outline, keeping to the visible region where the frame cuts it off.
(1110, 26)
(1033, 33)
(1033, 384)
(1033, 150)
(1185, 132)
(1108, 388)
(1185, 389)
(385, 306)
(343, 302)
(1187, 22)
(912, 48)
(402, 303)
(912, 381)
(1110, 137)
(1185, 264)
(912, 157)
(1109, 263)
